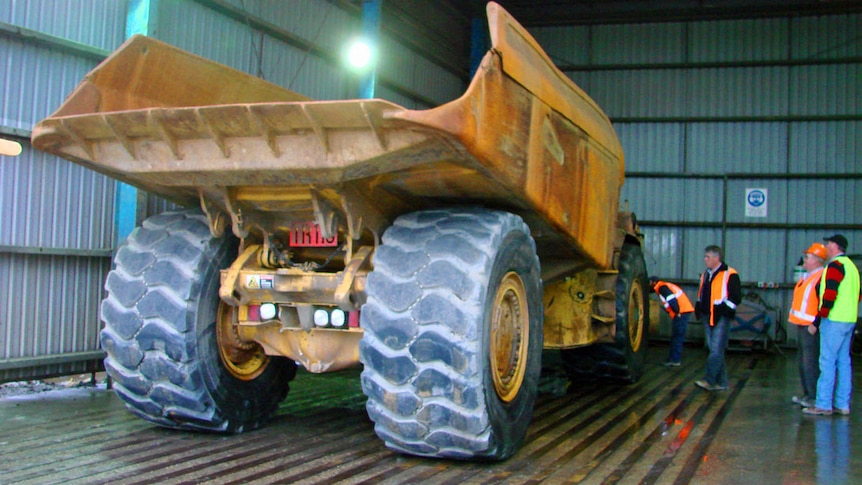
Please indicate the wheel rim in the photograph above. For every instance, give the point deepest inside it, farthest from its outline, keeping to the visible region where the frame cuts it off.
(636, 316)
(244, 360)
(510, 321)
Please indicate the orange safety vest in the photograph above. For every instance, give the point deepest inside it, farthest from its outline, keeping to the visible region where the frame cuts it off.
(682, 300)
(717, 287)
(803, 309)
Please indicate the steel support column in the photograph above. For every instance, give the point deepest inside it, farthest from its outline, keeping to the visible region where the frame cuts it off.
(371, 33)
(141, 19)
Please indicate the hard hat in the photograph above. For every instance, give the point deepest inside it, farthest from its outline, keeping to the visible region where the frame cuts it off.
(818, 250)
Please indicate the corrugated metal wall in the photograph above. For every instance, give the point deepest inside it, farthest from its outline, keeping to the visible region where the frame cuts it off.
(706, 110)
(56, 222)
(299, 45)
(57, 218)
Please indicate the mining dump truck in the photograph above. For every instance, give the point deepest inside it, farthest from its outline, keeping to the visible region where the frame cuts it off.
(444, 250)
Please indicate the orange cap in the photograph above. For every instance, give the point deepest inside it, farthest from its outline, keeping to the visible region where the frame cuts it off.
(818, 250)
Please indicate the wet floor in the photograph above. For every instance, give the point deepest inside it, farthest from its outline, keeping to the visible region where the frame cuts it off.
(660, 430)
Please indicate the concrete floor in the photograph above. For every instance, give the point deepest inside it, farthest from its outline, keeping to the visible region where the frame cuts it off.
(661, 430)
(764, 438)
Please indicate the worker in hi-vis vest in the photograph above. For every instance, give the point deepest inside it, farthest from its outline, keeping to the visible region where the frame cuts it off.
(803, 313)
(679, 307)
(839, 308)
(719, 293)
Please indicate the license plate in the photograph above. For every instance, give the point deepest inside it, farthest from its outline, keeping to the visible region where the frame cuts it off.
(307, 235)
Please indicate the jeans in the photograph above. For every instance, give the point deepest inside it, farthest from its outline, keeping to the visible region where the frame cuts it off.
(809, 360)
(716, 341)
(677, 338)
(835, 379)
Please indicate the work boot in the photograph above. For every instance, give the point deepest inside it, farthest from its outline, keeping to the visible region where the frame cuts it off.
(703, 384)
(815, 411)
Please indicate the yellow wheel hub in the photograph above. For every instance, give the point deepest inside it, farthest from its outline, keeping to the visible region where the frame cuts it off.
(243, 359)
(636, 316)
(510, 330)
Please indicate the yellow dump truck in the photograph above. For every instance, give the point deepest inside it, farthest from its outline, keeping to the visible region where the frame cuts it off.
(441, 249)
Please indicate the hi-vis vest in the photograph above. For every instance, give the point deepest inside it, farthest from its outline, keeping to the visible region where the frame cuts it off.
(805, 300)
(846, 307)
(717, 291)
(684, 303)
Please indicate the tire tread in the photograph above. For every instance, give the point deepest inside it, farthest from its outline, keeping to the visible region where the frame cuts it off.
(151, 336)
(421, 376)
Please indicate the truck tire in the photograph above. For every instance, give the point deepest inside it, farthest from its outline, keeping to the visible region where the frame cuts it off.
(162, 315)
(623, 360)
(453, 334)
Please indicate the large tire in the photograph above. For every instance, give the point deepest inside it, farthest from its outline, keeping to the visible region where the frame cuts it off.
(161, 328)
(453, 334)
(623, 360)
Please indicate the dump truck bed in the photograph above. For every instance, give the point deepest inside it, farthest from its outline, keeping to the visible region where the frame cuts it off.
(523, 138)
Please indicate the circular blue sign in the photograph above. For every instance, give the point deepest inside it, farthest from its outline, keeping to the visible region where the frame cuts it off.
(756, 198)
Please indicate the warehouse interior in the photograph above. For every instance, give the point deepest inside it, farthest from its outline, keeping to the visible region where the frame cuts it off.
(740, 122)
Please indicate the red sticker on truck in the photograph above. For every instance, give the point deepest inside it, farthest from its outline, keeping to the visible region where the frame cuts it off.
(307, 235)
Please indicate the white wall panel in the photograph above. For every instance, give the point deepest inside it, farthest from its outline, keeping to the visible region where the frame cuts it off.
(202, 31)
(826, 90)
(439, 85)
(704, 199)
(647, 43)
(640, 93)
(306, 74)
(825, 201)
(736, 92)
(52, 203)
(408, 71)
(826, 147)
(652, 147)
(397, 63)
(826, 37)
(60, 297)
(737, 148)
(708, 92)
(321, 23)
(738, 40)
(655, 199)
(35, 81)
(384, 92)
(757, 255)
(664, 251)
(97, 23)
(566, 46)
